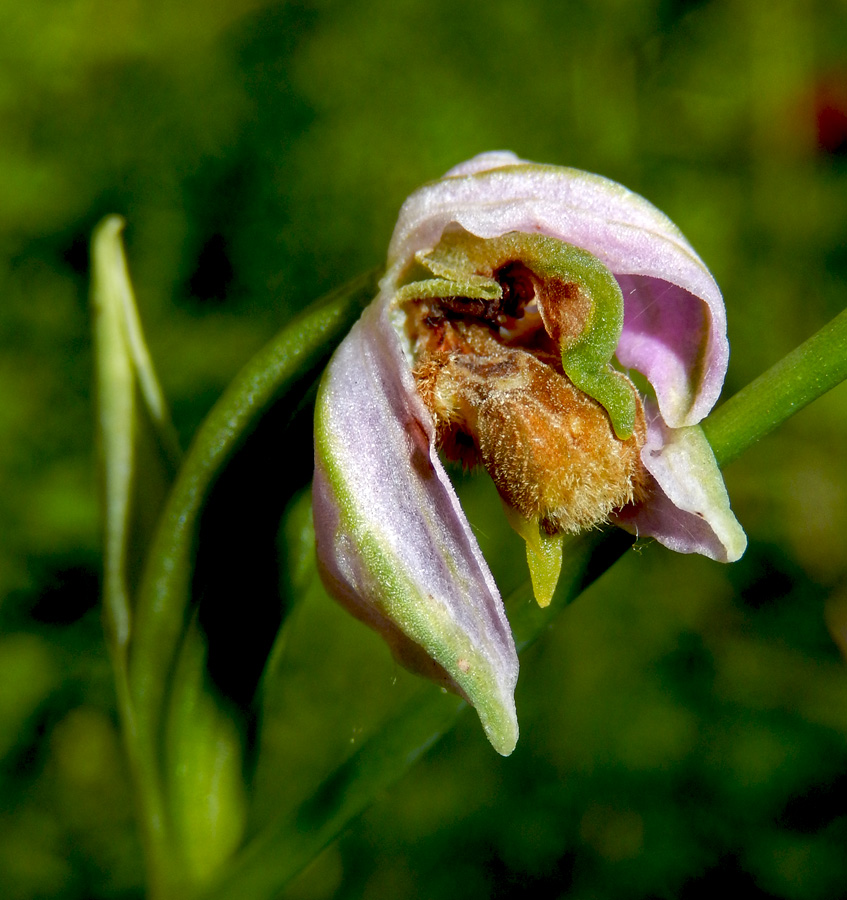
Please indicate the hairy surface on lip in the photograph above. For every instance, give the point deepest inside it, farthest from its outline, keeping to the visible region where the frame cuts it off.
(490, 373)
(549, 448)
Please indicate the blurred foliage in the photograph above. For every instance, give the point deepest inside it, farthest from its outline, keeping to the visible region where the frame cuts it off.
(684, 724)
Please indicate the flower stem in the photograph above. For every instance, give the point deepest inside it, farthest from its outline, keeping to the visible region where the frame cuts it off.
(808, 372)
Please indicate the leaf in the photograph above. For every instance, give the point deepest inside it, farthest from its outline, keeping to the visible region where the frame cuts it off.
(139, 455)
(138, 446)
(205, 784)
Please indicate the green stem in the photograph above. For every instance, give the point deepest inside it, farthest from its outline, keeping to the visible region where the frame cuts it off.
(816, 366)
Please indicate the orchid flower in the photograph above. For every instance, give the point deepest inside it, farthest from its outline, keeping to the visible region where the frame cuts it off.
(511, 290)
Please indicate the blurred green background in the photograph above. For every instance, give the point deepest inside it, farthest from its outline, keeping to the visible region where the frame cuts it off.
(684, 725)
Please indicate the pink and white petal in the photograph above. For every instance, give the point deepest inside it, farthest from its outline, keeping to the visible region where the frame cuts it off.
(626, 232)
(689, 509)
(669, 337)
(393, 542)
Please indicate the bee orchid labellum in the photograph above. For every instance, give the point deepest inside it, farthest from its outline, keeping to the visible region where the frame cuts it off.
(514, 297)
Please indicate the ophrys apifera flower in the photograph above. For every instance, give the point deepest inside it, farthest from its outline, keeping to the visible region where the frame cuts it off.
(515, 297)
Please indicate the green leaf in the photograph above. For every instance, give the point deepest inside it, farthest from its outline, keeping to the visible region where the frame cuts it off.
(205, 783)
(139, 455)
(138, 446)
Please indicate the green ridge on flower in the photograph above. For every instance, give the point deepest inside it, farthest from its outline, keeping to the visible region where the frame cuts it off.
(513, 292)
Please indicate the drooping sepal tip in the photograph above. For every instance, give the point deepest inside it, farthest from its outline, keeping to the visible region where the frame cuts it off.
(543, 555)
